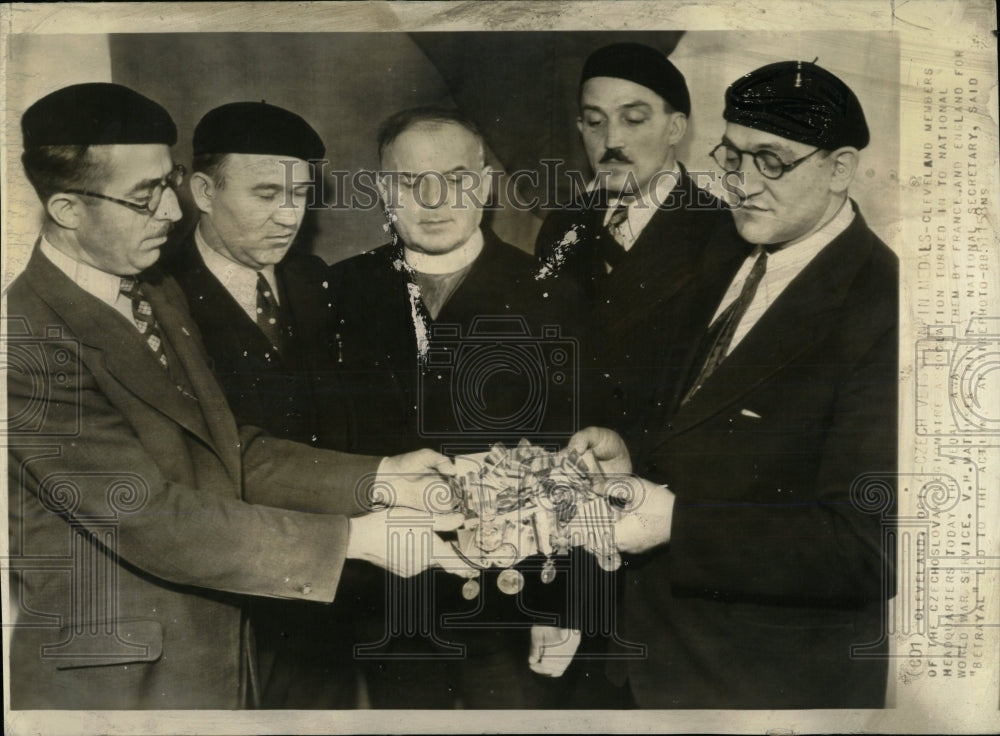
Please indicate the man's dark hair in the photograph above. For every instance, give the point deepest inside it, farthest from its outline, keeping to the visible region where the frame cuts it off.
(54, 169)
(397, 124)
(212, 165)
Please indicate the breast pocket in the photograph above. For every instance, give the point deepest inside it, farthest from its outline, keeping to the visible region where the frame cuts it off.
(97, 644)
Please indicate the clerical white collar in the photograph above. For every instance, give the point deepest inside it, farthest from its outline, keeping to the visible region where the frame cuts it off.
(450, 262)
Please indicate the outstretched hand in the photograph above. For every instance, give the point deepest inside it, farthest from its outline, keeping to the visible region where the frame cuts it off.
(406, 545)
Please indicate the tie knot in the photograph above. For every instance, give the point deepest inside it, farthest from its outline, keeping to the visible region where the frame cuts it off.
(128, 285)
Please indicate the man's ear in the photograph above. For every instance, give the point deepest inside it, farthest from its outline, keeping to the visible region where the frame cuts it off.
(845, 165)
(677, 128)
(64, 209)
(579, 124)
(202, 191)
(485, 186)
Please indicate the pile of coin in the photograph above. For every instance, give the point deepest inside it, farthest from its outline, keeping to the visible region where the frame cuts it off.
(525, 500)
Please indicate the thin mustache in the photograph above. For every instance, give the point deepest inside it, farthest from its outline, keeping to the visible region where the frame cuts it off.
(615, 155)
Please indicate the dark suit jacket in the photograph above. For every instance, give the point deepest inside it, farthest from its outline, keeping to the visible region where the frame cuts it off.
(401, 407)
(637, 317)
(292, 394)
(134, 529)
(778, 565)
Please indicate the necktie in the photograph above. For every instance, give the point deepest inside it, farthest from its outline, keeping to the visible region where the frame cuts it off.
(613, 249)
(142, 315)
(268, 313)
(720, 332)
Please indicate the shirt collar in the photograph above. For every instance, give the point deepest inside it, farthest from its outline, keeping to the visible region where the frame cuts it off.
(238, 279)
(449, 262)
(101, 284)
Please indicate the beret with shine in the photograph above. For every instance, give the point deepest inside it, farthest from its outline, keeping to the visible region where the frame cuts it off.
(256, 128)
(95, 114)
(799, 101)
(643, 65)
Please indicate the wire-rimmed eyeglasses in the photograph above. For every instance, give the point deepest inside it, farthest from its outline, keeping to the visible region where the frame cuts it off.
(173, 180)
(730, 158)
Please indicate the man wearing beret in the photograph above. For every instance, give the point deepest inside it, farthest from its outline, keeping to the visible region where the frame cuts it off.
(442, 281)
(635, 248)
(263, 310)
(761, 569)
(142, 516)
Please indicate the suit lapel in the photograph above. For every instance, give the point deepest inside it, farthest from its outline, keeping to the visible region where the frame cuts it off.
(662, 262)
(217, 306)
(803, 314)
(215, 411)
(124, 354)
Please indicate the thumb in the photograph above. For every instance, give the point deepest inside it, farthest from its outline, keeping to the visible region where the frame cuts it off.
(583, 440)
(535, 652)
(448, 522)
(444, 465)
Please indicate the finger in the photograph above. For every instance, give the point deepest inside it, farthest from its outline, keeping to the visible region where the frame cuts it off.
(444, 556)
(535, 655)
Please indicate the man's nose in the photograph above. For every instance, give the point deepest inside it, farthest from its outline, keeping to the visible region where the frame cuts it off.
(169, 207)
(287, 214)
(752, 182)
(615, 135)
(432, 192)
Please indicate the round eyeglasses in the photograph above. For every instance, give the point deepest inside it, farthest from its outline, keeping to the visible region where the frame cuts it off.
(173, 180)
(730, 158)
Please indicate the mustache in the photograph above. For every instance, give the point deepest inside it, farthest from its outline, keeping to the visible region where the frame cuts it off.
(615, 155)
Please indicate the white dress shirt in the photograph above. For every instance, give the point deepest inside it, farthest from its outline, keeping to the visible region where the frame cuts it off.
(782, 267)
(101, 284)
(239, 280)
(641, 211)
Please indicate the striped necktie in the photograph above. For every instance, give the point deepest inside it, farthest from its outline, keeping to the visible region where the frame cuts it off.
(721, 331)
(142, 315)
(613, 248)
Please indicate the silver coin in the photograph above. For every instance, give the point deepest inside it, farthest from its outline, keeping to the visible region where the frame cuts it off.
(510, 582)
(470, 591)
(548, 572)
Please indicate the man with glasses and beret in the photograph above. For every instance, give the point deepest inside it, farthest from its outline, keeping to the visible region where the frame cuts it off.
(142, 517)
(263, 309)
(761, 568)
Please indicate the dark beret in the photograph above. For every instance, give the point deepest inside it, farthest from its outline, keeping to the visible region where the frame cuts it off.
(96, 114)
(799, 101)
(643, 65)
(258, 128)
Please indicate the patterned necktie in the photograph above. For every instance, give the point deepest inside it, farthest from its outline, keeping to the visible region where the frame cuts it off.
(268, 313)
(142, 315)
(720, 334)
(613, 248)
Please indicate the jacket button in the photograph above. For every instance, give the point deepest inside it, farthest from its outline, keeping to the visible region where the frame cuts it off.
(618, 393)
